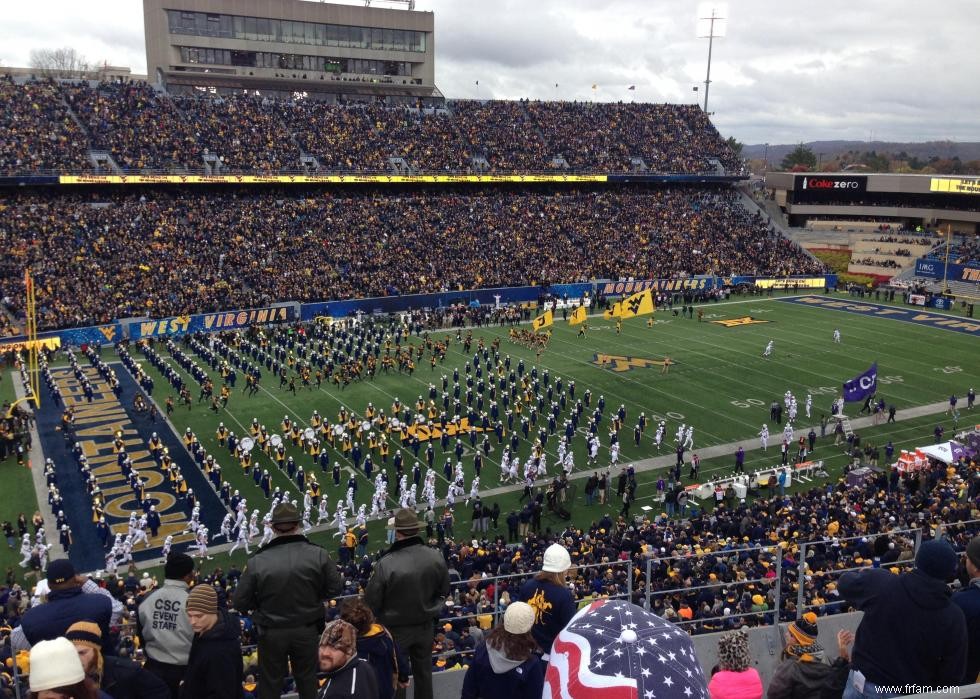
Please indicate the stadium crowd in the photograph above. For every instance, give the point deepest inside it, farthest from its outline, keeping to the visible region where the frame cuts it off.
(159, 253)
(872, 262)
(145, 129)
(713, 570)
(151, 134)
(36, 130)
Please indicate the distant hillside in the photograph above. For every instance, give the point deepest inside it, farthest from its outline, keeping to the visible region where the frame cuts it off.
(830, 149)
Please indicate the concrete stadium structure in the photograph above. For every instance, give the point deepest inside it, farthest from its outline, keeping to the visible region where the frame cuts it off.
(285, 47)
(909, 200)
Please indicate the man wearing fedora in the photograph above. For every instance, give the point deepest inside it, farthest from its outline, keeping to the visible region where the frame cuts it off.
(284, 586)
(407, 591)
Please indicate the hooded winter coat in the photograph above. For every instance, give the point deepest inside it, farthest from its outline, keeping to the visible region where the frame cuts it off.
(493, 675)
(389, 662)
(911, 633)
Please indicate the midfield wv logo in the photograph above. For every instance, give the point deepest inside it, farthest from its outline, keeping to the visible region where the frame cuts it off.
(735, 322)
(619, 363)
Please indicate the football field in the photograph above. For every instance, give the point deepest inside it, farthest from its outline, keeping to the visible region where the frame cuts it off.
(718, 382)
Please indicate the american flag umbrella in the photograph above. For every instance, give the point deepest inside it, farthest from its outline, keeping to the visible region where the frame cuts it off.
(615, 650)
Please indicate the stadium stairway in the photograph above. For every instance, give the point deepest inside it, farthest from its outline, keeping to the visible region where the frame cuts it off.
(100, 158)
(103, 160)
(771, 211)
(74, 117)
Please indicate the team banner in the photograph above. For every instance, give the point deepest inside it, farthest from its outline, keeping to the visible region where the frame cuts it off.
(208, 322)
(699, 283)
(639, 304)
(578, 316)
(48, 343)
(613, 312)
(862, 386)
(70, 337)
(543, 321)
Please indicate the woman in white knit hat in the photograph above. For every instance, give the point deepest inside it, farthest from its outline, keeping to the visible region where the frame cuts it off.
(506, 665)
(57, 673)
(549, 597)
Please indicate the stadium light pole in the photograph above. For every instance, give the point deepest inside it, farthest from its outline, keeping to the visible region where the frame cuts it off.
(707, 26)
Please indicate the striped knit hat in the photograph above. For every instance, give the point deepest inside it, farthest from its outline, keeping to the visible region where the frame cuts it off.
(804, 631)
(85, 633)
(801, 639)
(202, 599)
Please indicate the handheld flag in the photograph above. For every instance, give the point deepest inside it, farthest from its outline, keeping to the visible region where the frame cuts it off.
(631, 87)
(613, 312)
(862, 386)
(639, 304)
(578, 316)
(543, 321)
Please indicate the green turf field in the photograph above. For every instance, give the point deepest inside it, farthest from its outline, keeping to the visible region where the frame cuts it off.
(18, 492)
(719, 383)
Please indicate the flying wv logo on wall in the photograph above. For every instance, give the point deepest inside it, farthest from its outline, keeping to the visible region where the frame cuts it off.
(619, 363)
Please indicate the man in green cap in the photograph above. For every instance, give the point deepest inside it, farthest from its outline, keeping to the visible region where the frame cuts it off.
(283, 587)
(407, 591)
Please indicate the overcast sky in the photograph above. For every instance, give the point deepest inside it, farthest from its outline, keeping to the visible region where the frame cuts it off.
(894, 70)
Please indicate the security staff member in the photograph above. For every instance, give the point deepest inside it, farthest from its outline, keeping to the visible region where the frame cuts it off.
(284, 586)
(163, 624)
(407, 591)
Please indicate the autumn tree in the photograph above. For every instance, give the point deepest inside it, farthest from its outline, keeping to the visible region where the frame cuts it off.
(65, 62)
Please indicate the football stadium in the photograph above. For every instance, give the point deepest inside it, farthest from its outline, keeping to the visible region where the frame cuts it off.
(514, 374)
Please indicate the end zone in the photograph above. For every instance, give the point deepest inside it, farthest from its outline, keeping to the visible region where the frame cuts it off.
(933, 320)
(98, 420)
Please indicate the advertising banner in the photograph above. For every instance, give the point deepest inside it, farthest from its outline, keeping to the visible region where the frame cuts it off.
(322, 179)
(955, 185)
(933, 269)
(832, 185)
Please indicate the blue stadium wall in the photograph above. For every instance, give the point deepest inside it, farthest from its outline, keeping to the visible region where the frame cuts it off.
(136, 329)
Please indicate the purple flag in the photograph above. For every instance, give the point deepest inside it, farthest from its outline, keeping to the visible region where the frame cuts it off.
(863, 385)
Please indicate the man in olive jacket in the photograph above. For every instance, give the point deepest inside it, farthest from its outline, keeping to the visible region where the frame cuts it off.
(284, 586)
(407, 591)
